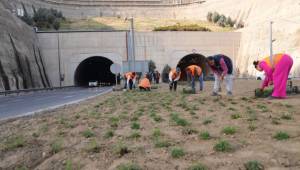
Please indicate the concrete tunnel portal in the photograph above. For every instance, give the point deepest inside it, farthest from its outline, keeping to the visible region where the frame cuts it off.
(192, 59)
(95, 68)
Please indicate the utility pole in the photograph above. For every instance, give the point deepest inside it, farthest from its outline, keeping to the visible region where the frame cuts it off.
(271, 43)
(132, 42)
(59, 59)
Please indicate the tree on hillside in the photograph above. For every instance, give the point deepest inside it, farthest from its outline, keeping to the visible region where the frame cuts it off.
(215, 17)
(151, 66)
(209, 16)
(165, 73)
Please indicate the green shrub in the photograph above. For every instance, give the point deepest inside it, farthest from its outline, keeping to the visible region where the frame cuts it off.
(223, 146)
(287, 116)
(179, 121)
(121, 149)
(56, 146)
(281, 135)
(253, 165)
(178, 27)
(235, 116)
(109, 134)
(69, 165)
(205, 135)
(88, 133)
(177, 152)
(15, 142)
(135, 135)
(252, 127)
(129, 166)
(207, 121)
(229, 130)
(162, 143)
(135, 125)
(198, 166)
(156, 133)
(93, 146)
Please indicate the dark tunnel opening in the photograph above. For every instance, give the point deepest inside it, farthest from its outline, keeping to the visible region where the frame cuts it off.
(192, 59)
(94, 69)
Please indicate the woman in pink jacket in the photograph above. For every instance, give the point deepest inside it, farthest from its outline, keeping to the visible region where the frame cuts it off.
(276, 73)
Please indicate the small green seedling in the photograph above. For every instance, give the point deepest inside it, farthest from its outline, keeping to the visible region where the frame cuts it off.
(229, 130)
(198, 166)
(156, 133)
(109, 134)
(235, 116)
(281, 135)
(129, 166)
(205, 135)
(135, 125)
(207, 121)
(287, 116)
(177, 152)
(159, 143)
(88, 133)
(252, 127)
(56, 146)
(121, 149)
(223, 146)
(253, 165)
(93, 146)
(135, 135)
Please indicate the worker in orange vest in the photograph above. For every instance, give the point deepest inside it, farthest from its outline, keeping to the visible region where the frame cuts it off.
(129, 80)
(145, 84)
(194, 71)
(174, 76)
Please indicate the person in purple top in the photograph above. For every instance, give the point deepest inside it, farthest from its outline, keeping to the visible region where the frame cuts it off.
(222, 68)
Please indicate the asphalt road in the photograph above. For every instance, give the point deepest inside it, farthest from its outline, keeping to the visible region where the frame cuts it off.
(30, 103)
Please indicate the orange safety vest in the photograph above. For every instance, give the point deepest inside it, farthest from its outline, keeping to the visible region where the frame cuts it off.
(129, 75)
(145, 83)
(174, 74)
(192, 68)
(276, 58)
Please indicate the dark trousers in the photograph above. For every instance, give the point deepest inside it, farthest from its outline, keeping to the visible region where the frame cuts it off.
(130, 84)
(173, 85)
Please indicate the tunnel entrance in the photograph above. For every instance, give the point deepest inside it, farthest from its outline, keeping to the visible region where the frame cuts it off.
(192, 59)
(94, 69)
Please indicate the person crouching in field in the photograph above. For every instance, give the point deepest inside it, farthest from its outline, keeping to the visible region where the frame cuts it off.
(222, 68)
(145, 84)
(129, 80)
(276, 73)
(194, 71)
(174, 76)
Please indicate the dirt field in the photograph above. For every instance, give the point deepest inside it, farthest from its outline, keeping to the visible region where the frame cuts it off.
(159, 130)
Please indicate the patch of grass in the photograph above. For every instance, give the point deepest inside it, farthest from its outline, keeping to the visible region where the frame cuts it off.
(161, 143)
(93, 146)
(128, 166)
(121, 149)
(157, 118)
(22, 168)
(69, 165)
(77, 115)
(281, 135)
(207, 121)
(177, 152)
(205, 135)
(114, 122)
(56, 146)
(135, 125)
(229, 130)
(253, 165)
(189, 131)
(223, 146)
(14, 142)
(222, 104)
(198, 166)
(235, 116)
(109, 134)
(135, 135)
(288, 106)
(179, 121)
(156, 133)
(287, 116)
(88, 133)
(192, 113)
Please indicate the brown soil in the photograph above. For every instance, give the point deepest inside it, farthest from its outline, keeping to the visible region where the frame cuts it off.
(37, 135)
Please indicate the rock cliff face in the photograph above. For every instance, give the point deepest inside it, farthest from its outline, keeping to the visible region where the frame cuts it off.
(21, 61)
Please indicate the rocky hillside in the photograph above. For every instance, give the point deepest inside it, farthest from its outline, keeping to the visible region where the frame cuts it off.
(21, 61)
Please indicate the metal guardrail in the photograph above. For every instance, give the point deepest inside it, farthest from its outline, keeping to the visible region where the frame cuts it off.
(7, 92)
